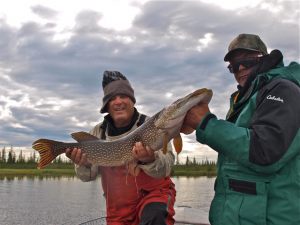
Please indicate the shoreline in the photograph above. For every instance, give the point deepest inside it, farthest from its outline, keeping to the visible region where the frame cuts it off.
(57, 172)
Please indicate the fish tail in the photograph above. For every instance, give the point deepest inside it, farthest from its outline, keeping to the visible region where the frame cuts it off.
(47, 150)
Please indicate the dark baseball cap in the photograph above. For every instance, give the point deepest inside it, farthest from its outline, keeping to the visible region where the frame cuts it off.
(249, 42)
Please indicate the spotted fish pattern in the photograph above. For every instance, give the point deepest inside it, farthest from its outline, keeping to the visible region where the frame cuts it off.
(155, 132)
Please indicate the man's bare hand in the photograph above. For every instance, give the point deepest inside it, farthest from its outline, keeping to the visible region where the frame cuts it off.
(143, 153)
(194, 117)
(77, 157)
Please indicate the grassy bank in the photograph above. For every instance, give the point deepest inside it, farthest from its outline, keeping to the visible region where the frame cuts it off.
(30, 169)
(36, 172)
(194, 170)
(68, 170)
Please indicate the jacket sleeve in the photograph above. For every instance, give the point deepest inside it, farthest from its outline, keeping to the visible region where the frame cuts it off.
(86, 173)
(89, 173)
(273, 128)
(275, 122)
(162, 165)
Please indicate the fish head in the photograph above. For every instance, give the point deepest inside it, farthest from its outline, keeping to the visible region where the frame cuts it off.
(171, 118)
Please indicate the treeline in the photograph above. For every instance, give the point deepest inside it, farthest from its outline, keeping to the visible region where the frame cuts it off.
(9, 159)
(194, 168)
(194, 162)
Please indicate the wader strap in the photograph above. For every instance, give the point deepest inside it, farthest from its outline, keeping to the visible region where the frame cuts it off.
(103, 128)
(141, 120)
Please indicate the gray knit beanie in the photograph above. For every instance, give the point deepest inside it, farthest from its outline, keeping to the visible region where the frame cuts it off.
(115, 83)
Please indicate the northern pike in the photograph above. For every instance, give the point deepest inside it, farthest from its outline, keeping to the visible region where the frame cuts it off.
(155, 132)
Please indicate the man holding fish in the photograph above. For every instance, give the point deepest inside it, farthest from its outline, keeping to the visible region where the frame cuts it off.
(131, 152)
(258, 145)
(141, 192)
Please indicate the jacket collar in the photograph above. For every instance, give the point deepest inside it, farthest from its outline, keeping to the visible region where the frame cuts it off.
(114, 131)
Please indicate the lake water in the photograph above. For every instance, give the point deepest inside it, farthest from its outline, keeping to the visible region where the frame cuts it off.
(69, 201)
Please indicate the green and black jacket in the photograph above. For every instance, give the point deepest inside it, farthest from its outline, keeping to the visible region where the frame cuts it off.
(258, 179)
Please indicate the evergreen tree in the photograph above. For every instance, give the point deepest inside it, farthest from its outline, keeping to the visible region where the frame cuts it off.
(14, 157)
(21, 157)
(10, 159)
(3, 155)
(32, 158)
(194, 161)
(206, 161)
(187, 162)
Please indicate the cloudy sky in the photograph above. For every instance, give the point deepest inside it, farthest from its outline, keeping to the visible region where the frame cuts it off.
(53, 54)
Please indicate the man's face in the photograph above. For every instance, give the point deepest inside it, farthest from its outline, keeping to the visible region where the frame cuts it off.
(241, 71)
(121, 109)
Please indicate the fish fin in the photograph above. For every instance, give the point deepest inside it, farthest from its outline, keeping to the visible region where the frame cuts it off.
(83, 136)
(177, 142)
(45, 148)
(133, 169)
(165, 143)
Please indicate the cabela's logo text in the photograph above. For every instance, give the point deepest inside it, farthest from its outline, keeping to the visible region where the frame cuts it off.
(270, 97)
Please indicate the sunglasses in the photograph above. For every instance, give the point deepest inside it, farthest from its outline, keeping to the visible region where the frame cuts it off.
(247, 63)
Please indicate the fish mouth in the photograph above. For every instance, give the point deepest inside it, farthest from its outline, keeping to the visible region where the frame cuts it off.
(206, 95)
(174, 115)
(201, 91)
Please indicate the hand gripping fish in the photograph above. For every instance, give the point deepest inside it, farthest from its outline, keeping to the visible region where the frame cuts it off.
(155, 132)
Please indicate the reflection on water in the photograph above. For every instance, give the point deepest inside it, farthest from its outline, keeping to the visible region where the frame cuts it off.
(67, 200)
(195, 192)
(33, 177)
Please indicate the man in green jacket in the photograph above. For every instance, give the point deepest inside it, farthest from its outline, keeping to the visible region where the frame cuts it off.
(258, 145)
